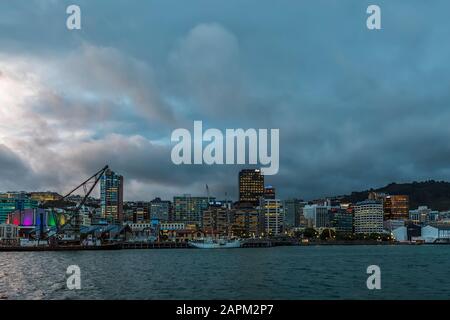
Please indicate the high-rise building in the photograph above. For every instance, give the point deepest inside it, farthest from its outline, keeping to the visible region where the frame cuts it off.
(316, 216)
(272, 211)
(189, 210)
(293, 213)
(342, 220)
(322, 218)
(396, 207)
(247, 222)
(141, 212)
(251, 186)
(111, 196)
(369, 217)
(161, 210)
(217, 219)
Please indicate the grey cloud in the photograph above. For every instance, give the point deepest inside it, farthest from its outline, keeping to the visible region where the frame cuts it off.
(355, 109)
(12, 169)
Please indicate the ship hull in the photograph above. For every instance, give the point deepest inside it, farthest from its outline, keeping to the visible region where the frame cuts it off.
(215, 245)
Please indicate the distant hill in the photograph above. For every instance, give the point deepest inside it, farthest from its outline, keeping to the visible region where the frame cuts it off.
(434, 194)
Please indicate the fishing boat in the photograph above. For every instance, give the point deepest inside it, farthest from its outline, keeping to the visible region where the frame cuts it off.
(209, 243)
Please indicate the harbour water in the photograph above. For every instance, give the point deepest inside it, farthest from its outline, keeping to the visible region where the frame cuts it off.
(311, 272)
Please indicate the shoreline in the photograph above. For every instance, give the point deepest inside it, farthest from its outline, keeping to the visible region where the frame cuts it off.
(183, 245)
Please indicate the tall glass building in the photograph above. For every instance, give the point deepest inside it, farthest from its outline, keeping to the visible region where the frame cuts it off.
(111, 196)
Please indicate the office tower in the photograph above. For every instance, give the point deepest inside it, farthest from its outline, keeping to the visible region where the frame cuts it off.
(272, 211)
(251, 186)
(293, 213)
(111, 196)
(342, 220)
(217, 220)
(141, 212)
(190, 209)
(316, 216)
(396, 207)
(322, 218)
(247, 222)
(161, 210)
(369, 217)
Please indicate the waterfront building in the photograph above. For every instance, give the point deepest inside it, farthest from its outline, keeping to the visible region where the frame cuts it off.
(400, 234)
(8, 232)
(111, 196)
(36, 220)
(15, 195)
(393, 224)
(140, 226)
(9, 204)
(166, 226)
(217, 219)
(342, 220)
(247, 222)
(251, 186)
(183, 235)
(322, 218)
(369, 217)
(420, 215)
(423, 215)
(395, 207)
(414, 231)
(293, 213)
(85, 215)
(272, 211)
(161, 209)
(433, 232)
(316, 215)
(190, 209)
(141, 212)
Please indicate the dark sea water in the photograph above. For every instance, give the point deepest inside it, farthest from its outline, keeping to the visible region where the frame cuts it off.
(315, 272)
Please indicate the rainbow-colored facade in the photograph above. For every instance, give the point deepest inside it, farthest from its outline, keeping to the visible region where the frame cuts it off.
(30, 218)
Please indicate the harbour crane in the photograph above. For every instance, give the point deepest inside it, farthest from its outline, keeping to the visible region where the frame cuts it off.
(70, 230)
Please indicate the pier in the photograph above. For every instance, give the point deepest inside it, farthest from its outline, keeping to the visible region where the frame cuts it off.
(155, 245)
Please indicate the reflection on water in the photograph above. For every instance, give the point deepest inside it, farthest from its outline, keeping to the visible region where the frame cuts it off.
(316, 272)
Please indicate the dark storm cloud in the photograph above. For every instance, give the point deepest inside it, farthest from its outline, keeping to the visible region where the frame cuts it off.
(11, 168)
(355, 108)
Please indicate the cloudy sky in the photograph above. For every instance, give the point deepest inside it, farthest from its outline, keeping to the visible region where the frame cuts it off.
(355, 108)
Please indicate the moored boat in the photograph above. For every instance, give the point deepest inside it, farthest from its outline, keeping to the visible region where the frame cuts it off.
(209, 243)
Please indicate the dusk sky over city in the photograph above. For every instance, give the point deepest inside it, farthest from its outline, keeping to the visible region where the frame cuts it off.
(355, 109)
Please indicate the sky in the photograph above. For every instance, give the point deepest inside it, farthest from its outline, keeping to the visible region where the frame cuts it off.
(356, 108)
